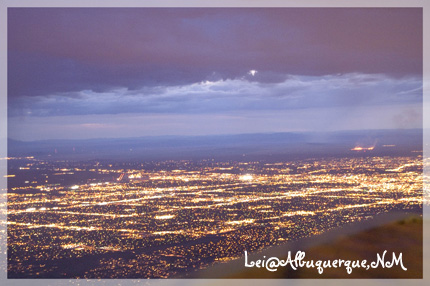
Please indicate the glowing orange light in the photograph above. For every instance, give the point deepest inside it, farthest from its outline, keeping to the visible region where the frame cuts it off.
(358, 148)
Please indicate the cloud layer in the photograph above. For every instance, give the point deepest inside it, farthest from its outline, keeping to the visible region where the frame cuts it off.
(209, 71)
(61, 50)
(247, 93)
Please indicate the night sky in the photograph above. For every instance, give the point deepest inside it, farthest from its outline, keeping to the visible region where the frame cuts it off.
(76, 73)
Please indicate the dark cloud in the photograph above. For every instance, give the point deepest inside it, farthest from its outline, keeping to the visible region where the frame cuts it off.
(54, 50)
(295, 92)
(113, 72)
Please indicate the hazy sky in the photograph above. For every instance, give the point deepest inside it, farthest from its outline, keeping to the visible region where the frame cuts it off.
(89, 73)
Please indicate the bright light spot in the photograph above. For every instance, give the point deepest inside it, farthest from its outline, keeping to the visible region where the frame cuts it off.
(164, 216)
(71, 246)
(134, 176)
(30, 209)
(207, 82)
(167, 232)
(299, 213)
(253, 72)
(246, 177)
(75, 187)
(241, 221)
(358, 148)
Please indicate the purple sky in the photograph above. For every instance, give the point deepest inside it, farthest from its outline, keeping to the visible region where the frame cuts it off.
(88, 73)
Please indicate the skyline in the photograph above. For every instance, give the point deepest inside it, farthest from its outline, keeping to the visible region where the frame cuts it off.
(206, 71)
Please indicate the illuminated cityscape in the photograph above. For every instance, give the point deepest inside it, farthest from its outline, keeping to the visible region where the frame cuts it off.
(163, 219)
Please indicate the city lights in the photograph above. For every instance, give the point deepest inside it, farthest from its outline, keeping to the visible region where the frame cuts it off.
(162, 219)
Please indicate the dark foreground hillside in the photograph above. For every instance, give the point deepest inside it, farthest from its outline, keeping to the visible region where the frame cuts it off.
(403, 235)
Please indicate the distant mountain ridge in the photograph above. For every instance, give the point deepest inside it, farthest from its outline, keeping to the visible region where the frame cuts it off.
(401, 141)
